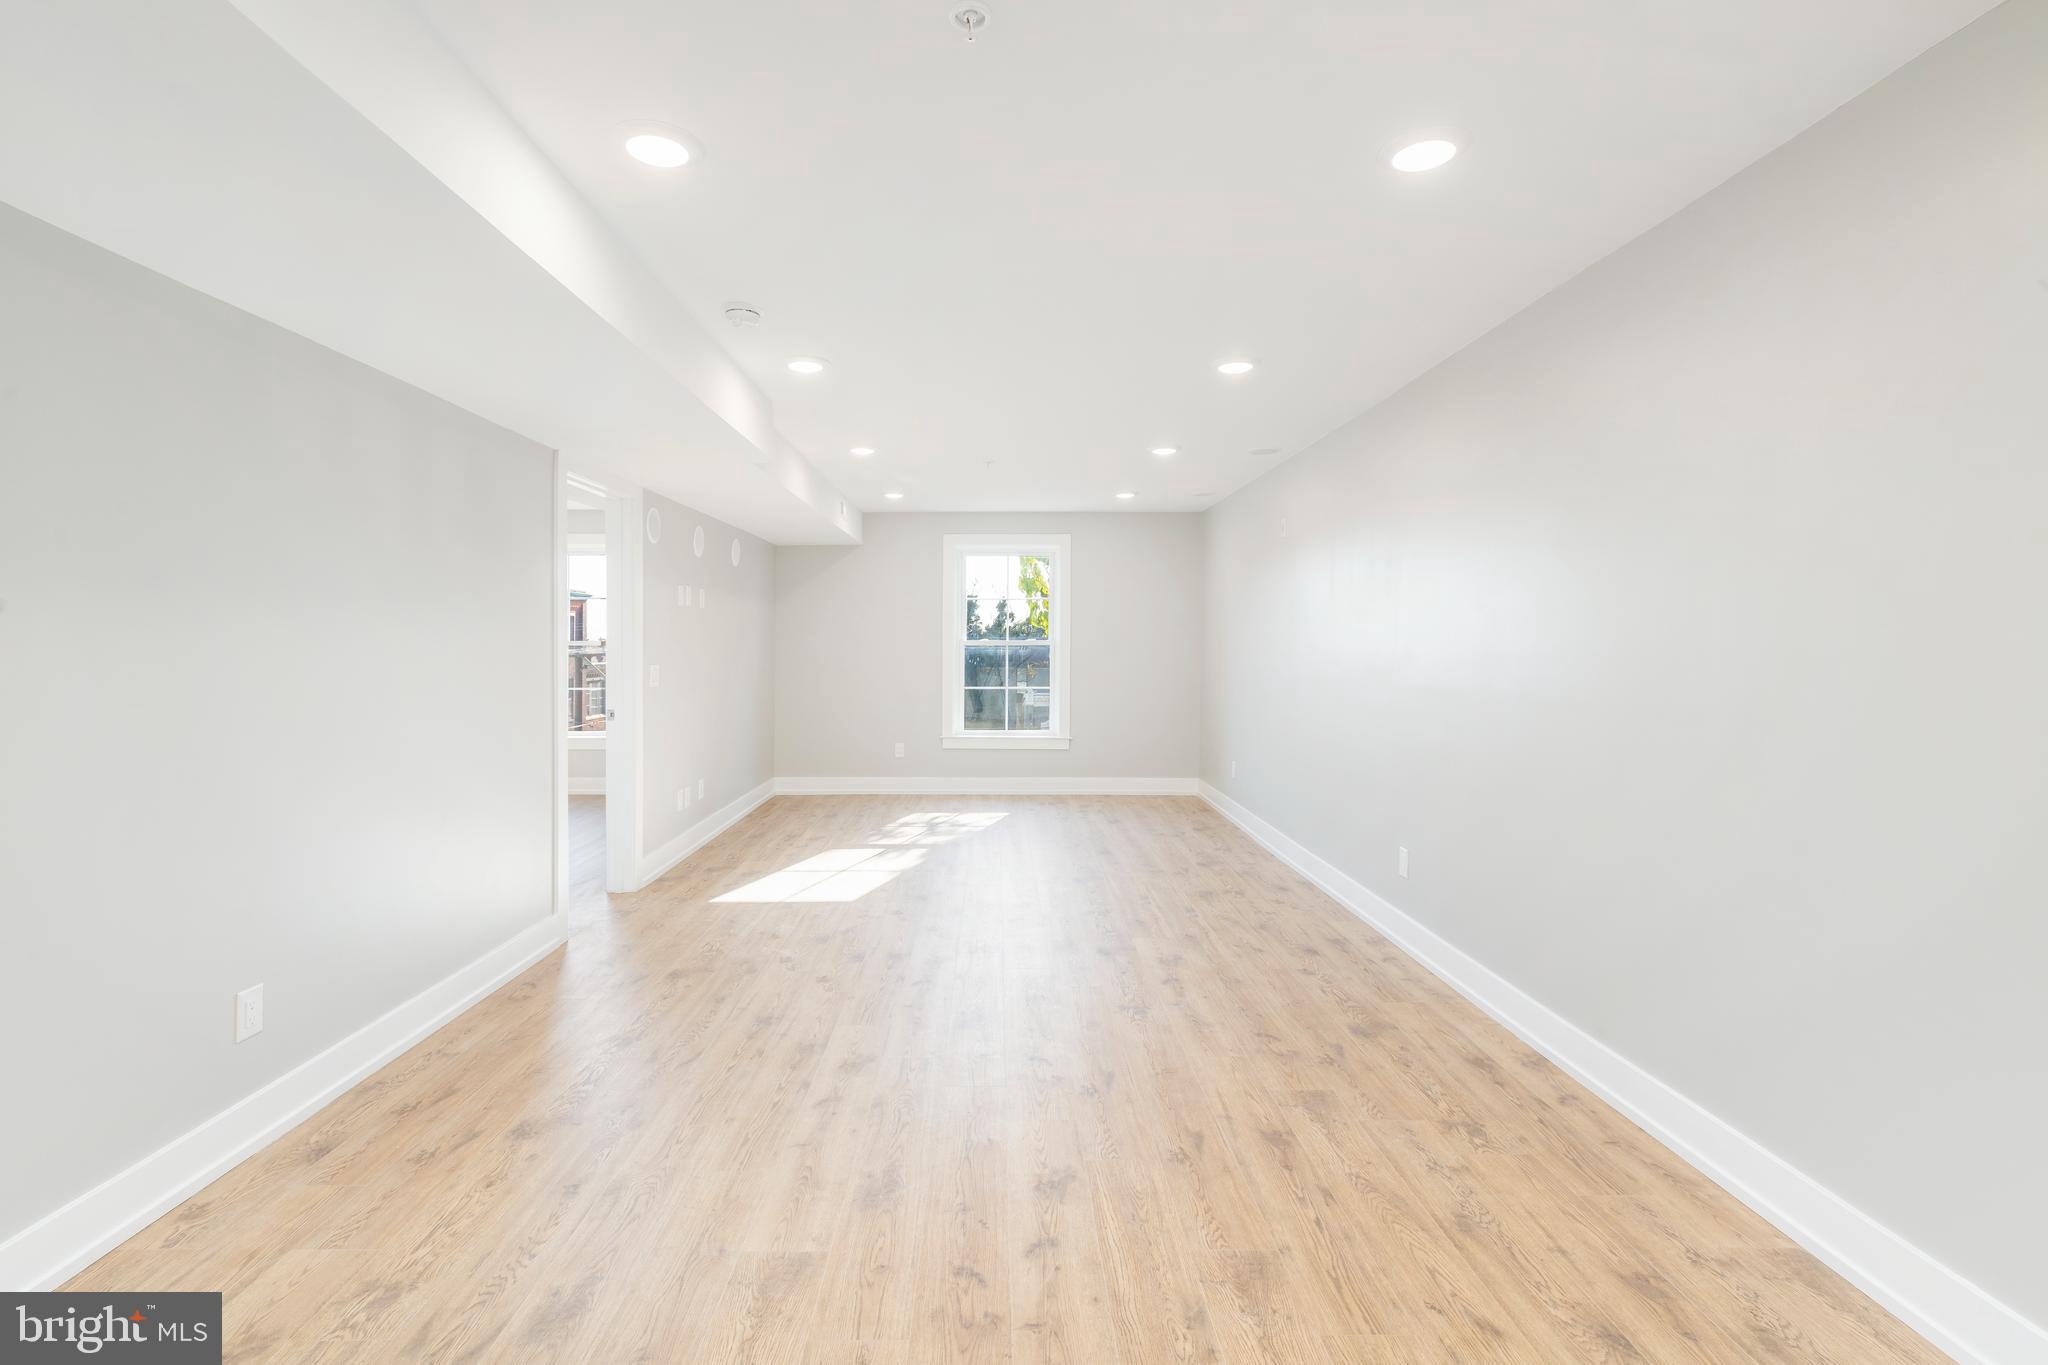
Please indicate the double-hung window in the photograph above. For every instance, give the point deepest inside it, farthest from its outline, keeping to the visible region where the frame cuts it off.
(1004, 656)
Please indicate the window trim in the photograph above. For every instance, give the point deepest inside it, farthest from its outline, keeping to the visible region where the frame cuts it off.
(953, 639)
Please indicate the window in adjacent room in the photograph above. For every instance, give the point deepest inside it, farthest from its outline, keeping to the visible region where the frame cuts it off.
(1005, 652)
(587, 630)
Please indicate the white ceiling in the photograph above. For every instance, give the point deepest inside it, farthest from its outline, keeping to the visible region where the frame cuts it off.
(1024, 257)
(387, 207)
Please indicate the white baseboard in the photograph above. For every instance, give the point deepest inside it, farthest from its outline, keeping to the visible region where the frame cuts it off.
(986, 786)
(56, 1247)
(1926, 1295)
(587, 786)
(702, 833)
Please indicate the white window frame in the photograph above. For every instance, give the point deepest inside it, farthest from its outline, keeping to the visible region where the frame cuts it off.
(953, 640)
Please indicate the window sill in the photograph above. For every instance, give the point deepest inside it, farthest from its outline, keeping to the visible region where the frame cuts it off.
(586, 739)
(1003, 741)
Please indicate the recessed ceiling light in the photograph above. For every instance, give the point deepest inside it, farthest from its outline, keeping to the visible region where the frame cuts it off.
(1424, 156)
(657, 149)
(1235, 367)
(807, 364)
(1163, 451)
(892, 497)
(1125, 497)
(861, 450)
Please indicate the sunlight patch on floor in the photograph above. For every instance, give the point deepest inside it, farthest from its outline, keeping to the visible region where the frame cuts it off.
(839, 875)
(934, 827)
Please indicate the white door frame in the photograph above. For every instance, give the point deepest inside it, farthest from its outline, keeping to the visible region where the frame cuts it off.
(623, 557)
(558, 692)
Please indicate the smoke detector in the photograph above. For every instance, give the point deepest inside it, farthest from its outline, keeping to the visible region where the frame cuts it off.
(970, 19)
(742, 315)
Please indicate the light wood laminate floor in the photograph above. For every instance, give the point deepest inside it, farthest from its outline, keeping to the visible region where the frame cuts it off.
(882, 1079)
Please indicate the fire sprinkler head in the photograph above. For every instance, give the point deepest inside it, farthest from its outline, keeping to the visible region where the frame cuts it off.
(970, 19)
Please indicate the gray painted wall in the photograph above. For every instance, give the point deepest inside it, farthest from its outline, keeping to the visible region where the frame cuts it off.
(712, 716)
(277, 662)
(586, 770)
(857, 650)
(1689, 631)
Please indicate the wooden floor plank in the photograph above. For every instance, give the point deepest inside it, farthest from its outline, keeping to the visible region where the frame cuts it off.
(1034, 1080)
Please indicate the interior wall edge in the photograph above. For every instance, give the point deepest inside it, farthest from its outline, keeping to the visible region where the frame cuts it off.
(986, 786)
(49, 1251)
(1950, 1311)
(657, 864)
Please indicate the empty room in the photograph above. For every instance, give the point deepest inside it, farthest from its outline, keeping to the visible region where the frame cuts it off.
(1024, 682)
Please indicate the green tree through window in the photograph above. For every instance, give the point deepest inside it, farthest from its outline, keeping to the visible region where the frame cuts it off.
(1034, 582)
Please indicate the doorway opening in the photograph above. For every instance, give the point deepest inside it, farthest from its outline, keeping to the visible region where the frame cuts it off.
(587, 575)
(596, 614)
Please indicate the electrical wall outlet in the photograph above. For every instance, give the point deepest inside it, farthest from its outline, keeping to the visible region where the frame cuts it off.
(682, 798)
(700, 789)
(700, 597)
(899, 748)
(683, 595)
(248, 1013)
(1404, 862)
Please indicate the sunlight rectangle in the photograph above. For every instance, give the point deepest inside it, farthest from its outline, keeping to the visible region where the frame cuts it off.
(836, 875)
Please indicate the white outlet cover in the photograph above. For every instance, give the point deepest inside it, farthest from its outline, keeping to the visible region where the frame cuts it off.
(654, 675)
(700, 597)
(700, 789)
(248, 1013)
(1404, 862)
(899, 748)
(682, 797)
(683, 595)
